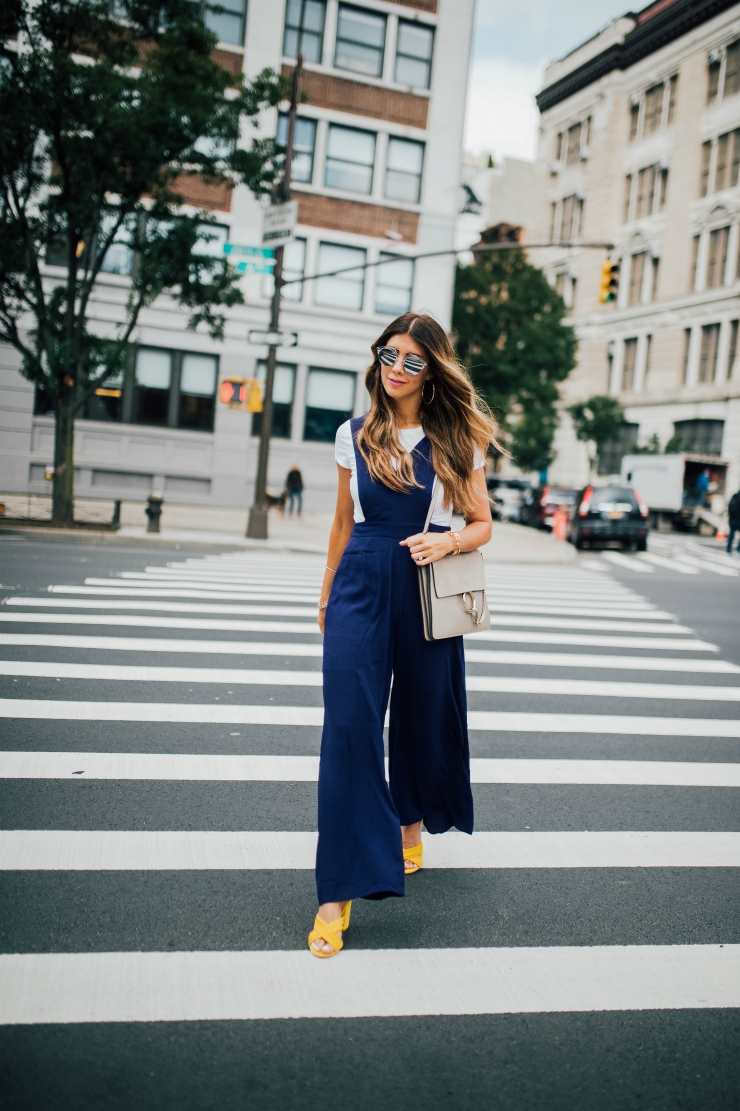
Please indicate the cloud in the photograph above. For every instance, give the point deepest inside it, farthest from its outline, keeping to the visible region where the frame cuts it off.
(502, 115)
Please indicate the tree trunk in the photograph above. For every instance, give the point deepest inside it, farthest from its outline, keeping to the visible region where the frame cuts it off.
(62, 498)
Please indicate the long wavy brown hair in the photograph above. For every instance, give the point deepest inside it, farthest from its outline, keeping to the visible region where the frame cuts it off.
(456, 421)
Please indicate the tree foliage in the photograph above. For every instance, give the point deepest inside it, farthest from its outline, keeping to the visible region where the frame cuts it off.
(512, 338)
(103, 119)
(597, 421)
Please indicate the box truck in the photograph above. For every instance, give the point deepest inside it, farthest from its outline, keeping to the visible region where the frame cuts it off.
(683, 491)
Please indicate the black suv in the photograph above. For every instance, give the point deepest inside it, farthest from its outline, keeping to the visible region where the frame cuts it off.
(606, 514)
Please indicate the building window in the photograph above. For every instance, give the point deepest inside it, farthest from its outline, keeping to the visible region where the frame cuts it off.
(694, 261)
(119, 258)
(653, 109)
(628, 364)
(706, 161)
(304, 142)
(560, 284)
(106, 403)
(733, 347)
(330, 401)
(713, 72)
(197, 400)
(283, 388)
(634, 120)
(717, 258)
(342, 291)
(612, 453)
(702, 436)
(654, 282)
(663, 190)
(672, 94)
(304, 29)
(570, 218)
(708, 352)
(414, 54)
(627, 197)
(403, 170)
(686, 353)
(637, 271)
(645, 192)
(153, 379)
(294, 267)
(393, 285)
(229, 23)
(732, 70)
(360, 41)
(553, 218)
(573, 147)
(350, 156)
(648, 353)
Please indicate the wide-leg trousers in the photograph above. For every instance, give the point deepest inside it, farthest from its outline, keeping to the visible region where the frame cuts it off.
(374, 635)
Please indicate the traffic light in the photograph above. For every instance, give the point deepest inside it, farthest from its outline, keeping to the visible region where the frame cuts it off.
(609, 284)
(233, 391)
(242, 393)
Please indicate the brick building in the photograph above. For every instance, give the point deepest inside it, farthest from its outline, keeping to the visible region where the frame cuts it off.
(376, 172)
(640, 147)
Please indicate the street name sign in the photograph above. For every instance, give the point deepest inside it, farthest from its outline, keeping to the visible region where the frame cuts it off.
(278, 225)
(274, 339)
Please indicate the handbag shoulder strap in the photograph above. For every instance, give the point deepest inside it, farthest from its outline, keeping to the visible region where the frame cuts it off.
(435, 488)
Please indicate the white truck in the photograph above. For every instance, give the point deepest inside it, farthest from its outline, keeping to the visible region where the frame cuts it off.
(683, 491)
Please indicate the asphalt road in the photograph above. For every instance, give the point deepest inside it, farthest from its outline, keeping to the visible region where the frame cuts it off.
(581, 951)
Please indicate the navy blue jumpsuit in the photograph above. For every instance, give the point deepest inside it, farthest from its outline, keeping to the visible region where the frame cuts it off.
(373, 632)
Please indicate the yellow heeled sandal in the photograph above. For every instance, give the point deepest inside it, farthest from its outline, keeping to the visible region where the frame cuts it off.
(327, 931)
(416, 855)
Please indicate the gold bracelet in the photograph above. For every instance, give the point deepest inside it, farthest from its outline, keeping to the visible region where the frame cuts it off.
(456, 537)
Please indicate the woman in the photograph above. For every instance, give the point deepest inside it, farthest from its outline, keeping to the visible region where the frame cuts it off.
(424, 419)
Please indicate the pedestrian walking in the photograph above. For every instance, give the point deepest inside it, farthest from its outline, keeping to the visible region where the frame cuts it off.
(733, 512)
(294, 489)
(424, 419)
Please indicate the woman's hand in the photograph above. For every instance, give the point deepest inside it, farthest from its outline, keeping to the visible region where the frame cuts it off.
(321, 619)
(427, 547)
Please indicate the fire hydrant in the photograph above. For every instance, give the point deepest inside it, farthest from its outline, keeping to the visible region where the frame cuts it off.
(153, 511)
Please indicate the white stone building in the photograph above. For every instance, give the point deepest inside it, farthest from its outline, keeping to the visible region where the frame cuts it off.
(640, 147)
(377, 171)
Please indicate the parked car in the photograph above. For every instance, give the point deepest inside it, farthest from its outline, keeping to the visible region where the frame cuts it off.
(541, 505)
(506, 496)
(606, 514)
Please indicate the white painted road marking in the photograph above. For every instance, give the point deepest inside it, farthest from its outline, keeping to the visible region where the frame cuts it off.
(305, 769)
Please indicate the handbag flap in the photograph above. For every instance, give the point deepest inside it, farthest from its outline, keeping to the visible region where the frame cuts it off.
(458, 574)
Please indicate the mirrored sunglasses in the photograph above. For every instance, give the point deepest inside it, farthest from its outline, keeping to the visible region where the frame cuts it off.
(412, 364)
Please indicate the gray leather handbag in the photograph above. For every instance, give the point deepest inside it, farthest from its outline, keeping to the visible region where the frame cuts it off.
(453, 591)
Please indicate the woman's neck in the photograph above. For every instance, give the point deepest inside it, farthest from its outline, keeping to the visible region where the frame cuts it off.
(408, 414)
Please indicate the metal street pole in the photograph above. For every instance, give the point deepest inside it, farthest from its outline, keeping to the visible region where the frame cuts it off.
(257, 524)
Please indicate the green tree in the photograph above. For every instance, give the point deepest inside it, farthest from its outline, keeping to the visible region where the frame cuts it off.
(597, 422)
(102, 120)
(511, 336)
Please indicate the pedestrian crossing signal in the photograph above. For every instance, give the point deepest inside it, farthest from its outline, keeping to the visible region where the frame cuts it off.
(609, 281)
(242, 393)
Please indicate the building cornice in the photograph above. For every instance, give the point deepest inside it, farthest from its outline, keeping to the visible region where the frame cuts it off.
(650, 34)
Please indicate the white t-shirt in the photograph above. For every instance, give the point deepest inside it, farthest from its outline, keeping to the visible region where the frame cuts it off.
(344, 453)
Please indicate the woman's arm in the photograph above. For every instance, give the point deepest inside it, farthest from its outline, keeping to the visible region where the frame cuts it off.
(341, 530)
(431, 546)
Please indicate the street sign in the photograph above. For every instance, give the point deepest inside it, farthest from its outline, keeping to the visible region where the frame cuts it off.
(263, 267)
(278, 225)
(274, 339)
(240, 249)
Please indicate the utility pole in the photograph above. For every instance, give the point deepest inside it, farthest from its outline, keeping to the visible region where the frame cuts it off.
(257, 524)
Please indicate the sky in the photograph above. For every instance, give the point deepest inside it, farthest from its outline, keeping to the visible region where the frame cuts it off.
(512, 43)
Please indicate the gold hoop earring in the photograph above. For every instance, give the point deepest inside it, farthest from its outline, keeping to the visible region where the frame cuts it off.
(431, 399)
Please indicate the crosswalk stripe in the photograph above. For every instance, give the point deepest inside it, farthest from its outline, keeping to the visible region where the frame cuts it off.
(671, 564)
(142, 621)
(189, 850)
(145, 600)
(627, 561)
(115, 592)
(705, 565)
(145, 603)
(259, 677)
(489, 721)
(305, 769)
(310, 629)
(83, 643)
(252, 985)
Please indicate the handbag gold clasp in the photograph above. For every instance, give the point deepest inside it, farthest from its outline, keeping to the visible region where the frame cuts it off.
(472, 609)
